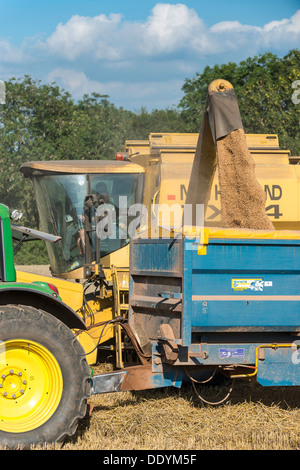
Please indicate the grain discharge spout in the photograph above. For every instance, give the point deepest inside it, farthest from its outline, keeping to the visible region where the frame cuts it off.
(222, 145)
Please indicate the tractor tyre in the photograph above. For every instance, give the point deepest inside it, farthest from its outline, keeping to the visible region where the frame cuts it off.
(44, 378)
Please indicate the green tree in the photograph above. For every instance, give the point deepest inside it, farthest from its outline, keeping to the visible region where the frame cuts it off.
(34, 123)
(99, 128)
(263, 86)
(144, 122)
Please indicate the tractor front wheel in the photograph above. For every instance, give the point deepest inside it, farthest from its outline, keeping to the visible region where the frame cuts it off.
(44, 378)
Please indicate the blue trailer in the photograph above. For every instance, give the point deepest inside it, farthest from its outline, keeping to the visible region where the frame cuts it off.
(225, 300)
(214, 300)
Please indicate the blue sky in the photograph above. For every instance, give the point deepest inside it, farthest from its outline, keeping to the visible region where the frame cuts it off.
(139, 52)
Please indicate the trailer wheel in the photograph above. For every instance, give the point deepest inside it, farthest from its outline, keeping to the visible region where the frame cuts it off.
(44, 378)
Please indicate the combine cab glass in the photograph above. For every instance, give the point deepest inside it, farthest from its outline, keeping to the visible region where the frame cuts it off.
(68, 194)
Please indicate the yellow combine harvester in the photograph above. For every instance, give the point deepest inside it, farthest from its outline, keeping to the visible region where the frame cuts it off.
(167, 159)
(156, 173)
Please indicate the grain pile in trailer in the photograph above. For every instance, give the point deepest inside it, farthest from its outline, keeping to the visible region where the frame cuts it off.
(222, 144)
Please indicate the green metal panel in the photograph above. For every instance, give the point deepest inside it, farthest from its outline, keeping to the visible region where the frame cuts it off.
(7, 257)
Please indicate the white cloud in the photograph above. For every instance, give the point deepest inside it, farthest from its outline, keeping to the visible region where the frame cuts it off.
(78, 83)
(275, 25)
(9, 53)
(169, 29)
(284, 33)
(83, 35)
(291, 25)
(130, 60)
(275, 34)
(228, 36)
(232, 26)
(160, 93)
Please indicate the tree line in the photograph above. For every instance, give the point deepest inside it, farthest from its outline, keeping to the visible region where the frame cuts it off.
(43, 122)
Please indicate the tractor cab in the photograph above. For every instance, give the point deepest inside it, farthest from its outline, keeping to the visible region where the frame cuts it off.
(81, 201)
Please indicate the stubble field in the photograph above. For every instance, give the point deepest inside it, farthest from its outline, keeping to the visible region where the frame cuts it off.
(255, 418)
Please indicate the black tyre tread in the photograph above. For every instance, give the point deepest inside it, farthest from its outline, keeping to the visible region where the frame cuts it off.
(86, 392)
(17, 312)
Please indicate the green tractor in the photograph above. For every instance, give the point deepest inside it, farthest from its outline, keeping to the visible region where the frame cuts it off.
(44, 376)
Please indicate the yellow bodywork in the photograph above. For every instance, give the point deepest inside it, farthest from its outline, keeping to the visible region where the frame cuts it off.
(70, 292)
(97, 310)
(168, 162)
(205, 234)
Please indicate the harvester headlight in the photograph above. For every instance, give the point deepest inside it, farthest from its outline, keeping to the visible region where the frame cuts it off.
(16, 215)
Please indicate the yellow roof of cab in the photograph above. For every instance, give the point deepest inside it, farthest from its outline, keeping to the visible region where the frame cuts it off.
(79, 166)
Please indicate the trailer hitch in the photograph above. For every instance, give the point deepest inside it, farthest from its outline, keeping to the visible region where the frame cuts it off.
(166, 339)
